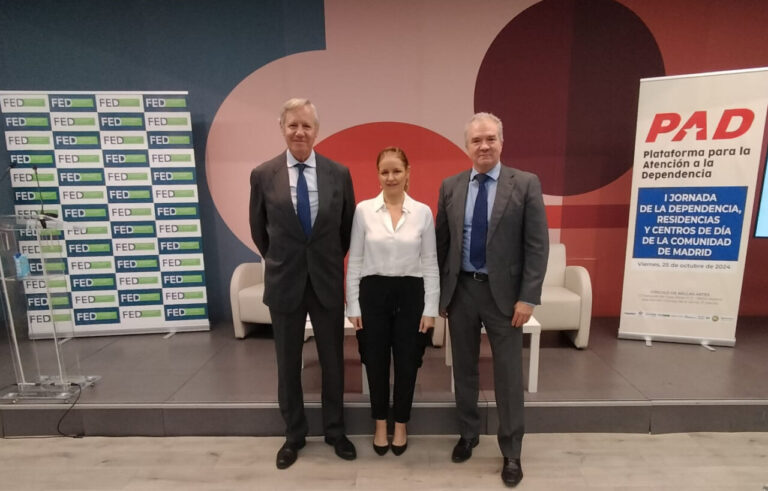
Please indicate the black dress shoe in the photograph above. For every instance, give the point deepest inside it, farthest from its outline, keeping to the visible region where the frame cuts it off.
(399, 449)
(380, 450)
(512, 472)
(463, 449)
(343, 447)
(288, 453)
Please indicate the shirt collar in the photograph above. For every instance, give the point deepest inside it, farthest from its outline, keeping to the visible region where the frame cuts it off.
(291, 160)
(493, 173)
(378, 203)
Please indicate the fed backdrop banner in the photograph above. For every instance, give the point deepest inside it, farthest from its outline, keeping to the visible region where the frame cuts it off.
(118, 168)
(697, 155)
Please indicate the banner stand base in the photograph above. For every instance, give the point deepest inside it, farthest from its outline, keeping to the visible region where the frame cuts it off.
(649, 338)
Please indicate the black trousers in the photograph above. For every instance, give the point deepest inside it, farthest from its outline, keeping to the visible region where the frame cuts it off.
(328, 327)
(391, 310)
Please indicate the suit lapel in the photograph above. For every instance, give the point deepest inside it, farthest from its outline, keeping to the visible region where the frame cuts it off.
(283, 188)
(324, 190)
(460, 203)
(504, 189)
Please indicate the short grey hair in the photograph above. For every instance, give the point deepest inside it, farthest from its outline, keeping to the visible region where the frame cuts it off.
(486, 116)
(296, 103)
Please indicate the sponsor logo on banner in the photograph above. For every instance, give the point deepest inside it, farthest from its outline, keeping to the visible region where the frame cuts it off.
(81, 177)
(129, 298)
(130, 194)
(165, 103)
(170, 139)
(26, 121)
(179, 279)
(108, 315)
(74, 122)
(131, 247)
(181, 228)
(78, 159)
(125, 158)
(21, 103)
(137, 264)
(85, 265)
(63, 140)
(39, 159)
(180, 211)
(91, 282)
(127, 103)
(184, 295)
(186, 311)
(121, 122)
(95, 299)
(85, 213)
(72, 103)
(29, 140)
(87, 195)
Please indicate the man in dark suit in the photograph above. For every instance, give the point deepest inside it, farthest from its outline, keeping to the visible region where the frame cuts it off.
(301, 219)
(492, 247)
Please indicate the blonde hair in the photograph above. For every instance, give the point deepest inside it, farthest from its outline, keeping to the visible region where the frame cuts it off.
(296, 103)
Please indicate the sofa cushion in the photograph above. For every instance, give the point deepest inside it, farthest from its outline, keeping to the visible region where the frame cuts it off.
(560, 308)
(252, 308)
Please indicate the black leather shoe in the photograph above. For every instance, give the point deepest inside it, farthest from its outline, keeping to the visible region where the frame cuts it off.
(380, 450)
(512, 472)
(288, 453)
(463, 449)
(399, 449)
(343, 447)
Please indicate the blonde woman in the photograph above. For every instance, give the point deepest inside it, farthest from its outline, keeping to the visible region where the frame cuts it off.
(392, 292)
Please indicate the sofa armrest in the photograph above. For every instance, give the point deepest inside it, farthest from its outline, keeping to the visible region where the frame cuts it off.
(438, 334)
(577, 280)
(244, 275)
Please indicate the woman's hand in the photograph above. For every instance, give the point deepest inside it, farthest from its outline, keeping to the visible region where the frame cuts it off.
(426, 323)
(357, 322)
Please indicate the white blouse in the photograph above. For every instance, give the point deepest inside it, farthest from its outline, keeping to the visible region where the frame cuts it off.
(409, 249)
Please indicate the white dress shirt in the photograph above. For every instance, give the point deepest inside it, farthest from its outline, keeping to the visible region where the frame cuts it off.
(377, 248)
(310, 174)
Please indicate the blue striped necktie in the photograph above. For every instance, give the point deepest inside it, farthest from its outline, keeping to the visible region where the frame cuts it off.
(479, 224)
(302, 201)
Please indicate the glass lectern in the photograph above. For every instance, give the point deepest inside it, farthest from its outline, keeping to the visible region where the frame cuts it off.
(37, 310)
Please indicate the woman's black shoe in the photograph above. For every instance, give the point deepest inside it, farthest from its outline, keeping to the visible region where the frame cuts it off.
(381, 450)
(399, 449)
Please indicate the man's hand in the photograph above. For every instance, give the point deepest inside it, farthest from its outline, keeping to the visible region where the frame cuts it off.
(426, 323)
(357, 322)
(523, 313)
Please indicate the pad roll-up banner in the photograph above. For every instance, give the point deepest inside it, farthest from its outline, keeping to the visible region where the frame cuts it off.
(697, 155)
(118, 170)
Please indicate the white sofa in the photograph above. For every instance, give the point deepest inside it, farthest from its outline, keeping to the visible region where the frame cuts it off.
(566, 298)
(246, 292)
(566, 301)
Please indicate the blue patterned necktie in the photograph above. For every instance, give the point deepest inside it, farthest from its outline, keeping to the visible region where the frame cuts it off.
(479, 224)
(302, 201)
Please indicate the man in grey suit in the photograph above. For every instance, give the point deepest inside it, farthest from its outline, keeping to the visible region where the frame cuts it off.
(492, 247)
(301, 219)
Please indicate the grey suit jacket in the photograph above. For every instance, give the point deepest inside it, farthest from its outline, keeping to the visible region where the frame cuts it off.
(290, 257)
(517, 246)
